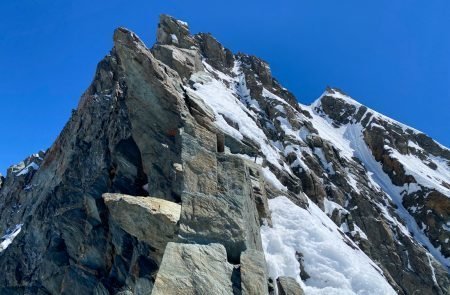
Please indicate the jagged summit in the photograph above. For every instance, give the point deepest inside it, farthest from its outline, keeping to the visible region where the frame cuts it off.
(189, 169)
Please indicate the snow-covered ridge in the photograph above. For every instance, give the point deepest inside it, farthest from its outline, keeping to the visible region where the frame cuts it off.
(413, 165)
(349, 100)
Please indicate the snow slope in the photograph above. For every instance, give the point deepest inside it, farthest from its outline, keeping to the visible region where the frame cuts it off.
(334, 263)
(349, 140)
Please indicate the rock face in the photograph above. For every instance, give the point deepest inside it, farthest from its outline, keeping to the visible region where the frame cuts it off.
(194, 269)
(229, 216)
(159, 181)
(151, 220)
(253, 273)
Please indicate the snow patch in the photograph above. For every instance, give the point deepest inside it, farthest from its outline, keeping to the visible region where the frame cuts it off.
(9, 237)
(26, 170)
(272, 179)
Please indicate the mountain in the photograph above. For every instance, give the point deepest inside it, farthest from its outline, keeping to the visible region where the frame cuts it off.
(188, 169)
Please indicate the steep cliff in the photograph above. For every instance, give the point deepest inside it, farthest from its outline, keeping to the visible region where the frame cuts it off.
(187, 169)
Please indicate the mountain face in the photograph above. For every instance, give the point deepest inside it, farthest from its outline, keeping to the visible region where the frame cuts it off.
(187, 169)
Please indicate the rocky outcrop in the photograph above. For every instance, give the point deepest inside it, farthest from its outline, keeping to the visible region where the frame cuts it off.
(173, 32)
(288, 286)
(151, 220)
(194, 269)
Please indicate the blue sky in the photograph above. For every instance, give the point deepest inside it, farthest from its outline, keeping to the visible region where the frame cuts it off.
(393, 56)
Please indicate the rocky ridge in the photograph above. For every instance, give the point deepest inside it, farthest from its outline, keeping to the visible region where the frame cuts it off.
(159, 183)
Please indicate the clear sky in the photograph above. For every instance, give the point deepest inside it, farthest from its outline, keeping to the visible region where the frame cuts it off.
(393, 56)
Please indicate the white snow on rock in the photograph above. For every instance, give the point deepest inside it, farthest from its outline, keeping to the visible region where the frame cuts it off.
(236, 114)
(174, 38)
(7, 239)
(183, 23)
(225, 103)
(272, 179)
(349, 140)
(26, 170)
(335, 264)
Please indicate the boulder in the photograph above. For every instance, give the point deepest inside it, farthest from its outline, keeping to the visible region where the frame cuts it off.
(288, 286)
(194, 269)
(151, 220)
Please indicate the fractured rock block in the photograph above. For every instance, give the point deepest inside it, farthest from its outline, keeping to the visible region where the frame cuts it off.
(194, 269)
(253, 273)
(150, 220)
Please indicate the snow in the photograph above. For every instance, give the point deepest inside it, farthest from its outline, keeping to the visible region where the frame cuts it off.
(423, 174)
(225, 103)
(348, 139)
(183, 23)
(359, 231)
(353, 183)
(414, 145)
(328, 166)
(433, 274)
(354, 133)
(9, 237)
(228, 97)
(329, 207)
(26, 170)
(375, 114)
(272, 179)
(334, 266)
(174, 38)
(266, 93)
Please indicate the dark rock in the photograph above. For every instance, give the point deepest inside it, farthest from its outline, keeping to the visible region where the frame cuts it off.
(303, 274)
(216, 54)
